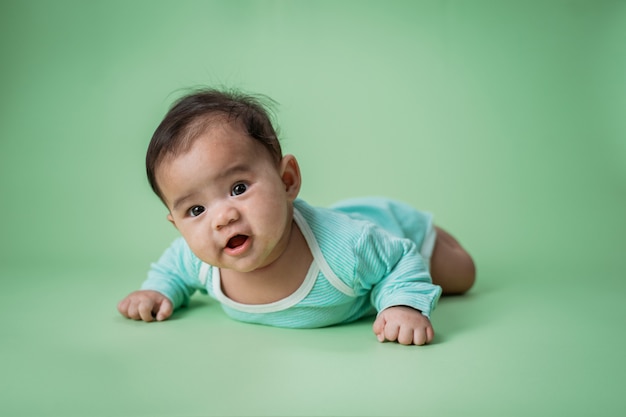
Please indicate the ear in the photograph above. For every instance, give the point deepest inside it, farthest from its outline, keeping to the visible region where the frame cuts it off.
(290, 174)
(171, 219)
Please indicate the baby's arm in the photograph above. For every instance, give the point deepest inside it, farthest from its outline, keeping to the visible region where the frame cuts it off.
(401, 287)
(171, 282)
(146, 305)
(405, 325)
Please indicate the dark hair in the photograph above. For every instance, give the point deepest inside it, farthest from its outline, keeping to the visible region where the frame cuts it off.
(192, 114)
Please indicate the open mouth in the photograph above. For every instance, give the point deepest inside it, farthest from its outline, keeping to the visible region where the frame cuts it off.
(236, 241)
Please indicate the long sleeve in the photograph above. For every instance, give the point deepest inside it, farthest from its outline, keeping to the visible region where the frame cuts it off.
(175, 274)
(393, 269)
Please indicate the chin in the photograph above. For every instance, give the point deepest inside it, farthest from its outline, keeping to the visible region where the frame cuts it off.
(240, 267)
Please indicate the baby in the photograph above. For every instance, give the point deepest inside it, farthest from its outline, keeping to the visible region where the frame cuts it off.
(269, 257)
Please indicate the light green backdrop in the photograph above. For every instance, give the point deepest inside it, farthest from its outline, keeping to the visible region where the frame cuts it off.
(505, 120)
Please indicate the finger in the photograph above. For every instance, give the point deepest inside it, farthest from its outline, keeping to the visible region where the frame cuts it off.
(122, 307)
(405, 335)
(133, 313)
(419, 336)
(145, 310)
(430, 334)
(391, 331)
(423, 336)
(165, 310)
(379, 324)
(379, 328)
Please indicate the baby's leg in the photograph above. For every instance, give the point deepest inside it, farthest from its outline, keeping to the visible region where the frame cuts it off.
(451, 267)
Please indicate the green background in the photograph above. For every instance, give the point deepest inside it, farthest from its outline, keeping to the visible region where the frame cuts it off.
(505, 120)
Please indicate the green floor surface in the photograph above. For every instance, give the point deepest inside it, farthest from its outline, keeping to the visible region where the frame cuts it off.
(528, 348)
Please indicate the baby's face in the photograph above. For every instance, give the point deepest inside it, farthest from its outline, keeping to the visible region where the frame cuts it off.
(228, 199)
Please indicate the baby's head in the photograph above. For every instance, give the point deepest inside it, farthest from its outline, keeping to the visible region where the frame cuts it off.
(217, 165)
(194, 114)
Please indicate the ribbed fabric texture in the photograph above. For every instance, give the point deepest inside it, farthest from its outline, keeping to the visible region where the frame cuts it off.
(359, 268)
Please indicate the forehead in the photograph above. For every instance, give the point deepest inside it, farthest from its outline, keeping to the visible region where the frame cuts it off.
(218, 149)
(216, 134)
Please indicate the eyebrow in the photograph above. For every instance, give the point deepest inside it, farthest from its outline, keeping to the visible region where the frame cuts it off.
(235, 169)
(179, 202)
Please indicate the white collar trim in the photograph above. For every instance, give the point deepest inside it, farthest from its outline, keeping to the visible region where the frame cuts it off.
(319, 263)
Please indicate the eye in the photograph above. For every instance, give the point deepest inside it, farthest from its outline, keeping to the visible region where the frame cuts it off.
(238, 189)
(195, 211)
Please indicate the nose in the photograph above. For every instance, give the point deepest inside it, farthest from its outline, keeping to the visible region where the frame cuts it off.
(224, 215)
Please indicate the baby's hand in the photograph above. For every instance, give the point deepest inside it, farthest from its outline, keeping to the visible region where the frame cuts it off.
(146, 305)
(405, 325)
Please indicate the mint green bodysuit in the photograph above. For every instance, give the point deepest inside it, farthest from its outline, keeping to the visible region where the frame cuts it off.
(368, 254)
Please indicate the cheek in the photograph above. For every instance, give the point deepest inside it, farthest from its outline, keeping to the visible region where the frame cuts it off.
(277, 222)
(273, 213)
(195, 238)
(203, 249)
